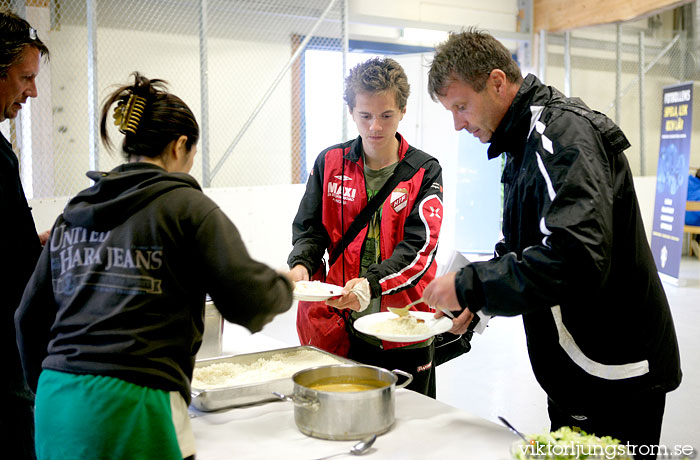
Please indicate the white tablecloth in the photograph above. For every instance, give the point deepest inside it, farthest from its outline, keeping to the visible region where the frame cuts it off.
(424, 428)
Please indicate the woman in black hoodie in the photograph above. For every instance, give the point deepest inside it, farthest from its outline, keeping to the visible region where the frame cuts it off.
(112, 317)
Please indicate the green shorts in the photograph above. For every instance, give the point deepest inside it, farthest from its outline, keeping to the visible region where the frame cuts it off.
(81, 416)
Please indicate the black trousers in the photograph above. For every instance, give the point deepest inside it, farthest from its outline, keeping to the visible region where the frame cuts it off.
(18, 427)
(416, 361)
(634, 420)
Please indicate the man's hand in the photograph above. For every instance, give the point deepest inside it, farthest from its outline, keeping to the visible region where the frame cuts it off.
(440, 294)
(348, 298)
(288, 274)
(44, 237)
(299, 273)
(461, 323)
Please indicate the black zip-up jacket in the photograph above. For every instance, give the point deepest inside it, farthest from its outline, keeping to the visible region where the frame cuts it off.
(575, 260)
(20, 248)
(119, 290)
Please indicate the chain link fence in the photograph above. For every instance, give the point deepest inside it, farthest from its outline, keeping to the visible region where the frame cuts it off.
(234, 62)
(653, 53)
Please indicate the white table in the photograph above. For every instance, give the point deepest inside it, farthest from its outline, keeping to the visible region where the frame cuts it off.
(424, 428)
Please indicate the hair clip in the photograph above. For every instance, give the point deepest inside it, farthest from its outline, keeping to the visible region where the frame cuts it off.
(127, 113)
(32, 33)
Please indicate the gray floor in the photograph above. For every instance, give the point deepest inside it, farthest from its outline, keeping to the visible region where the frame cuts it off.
(495, 378)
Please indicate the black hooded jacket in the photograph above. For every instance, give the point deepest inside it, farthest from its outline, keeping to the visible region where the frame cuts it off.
(119, 290)
(575, 260)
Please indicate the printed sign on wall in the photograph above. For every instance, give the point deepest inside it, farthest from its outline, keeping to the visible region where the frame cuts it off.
(672, 178)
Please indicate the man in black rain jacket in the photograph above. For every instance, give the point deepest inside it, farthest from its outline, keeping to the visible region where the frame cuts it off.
(575, 261)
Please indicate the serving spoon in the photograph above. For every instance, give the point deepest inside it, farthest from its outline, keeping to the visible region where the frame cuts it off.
(513, 429)
(358, 449)
(403, 311)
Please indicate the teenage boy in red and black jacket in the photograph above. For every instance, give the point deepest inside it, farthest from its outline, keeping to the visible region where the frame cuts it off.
(391, 260)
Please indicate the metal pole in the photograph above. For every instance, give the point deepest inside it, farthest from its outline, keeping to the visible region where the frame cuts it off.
(567, 63)
(683, 45)
(653, 62)
(618, 76)
(524, 25)
(204, 91)
(22, 123)
(93, 109)
(269, 92)
(543, 56)
(642, 130)
(346, 47)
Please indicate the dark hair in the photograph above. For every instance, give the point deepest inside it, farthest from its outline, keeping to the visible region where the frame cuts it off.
(164, 119)
(377, 75)
(470, 56)
(15, 35)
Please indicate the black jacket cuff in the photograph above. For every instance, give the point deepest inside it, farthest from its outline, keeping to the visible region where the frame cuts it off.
(297, 261)
(374, 287)
(469, 291)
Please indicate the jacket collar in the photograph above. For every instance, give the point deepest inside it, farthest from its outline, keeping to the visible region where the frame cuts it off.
(511, 133)
(354, 153)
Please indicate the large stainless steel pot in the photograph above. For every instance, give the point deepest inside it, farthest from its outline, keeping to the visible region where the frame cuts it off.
(344, 415)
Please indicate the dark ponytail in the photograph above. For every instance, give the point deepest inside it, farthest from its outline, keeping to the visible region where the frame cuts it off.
(164, 118)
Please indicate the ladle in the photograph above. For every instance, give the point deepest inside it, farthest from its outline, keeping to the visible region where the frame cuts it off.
(358, 449)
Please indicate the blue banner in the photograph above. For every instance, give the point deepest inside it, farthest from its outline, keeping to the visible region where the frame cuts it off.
(672, 178)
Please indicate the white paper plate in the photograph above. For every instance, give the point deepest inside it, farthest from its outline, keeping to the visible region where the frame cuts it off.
(437, 326)
(315, 291)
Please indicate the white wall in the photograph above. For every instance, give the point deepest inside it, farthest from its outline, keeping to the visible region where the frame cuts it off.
(646, 194)
(495, 15)
(264, 215)
(46, 210)
(429, 127)
(262, 156)
(239, 72)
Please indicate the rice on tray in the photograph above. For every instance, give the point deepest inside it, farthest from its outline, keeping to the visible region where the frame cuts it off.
(279, 366)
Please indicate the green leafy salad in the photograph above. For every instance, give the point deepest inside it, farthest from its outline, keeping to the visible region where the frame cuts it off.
(567, 444)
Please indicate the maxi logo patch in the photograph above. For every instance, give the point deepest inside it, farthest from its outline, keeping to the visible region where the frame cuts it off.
(335, 191)
(399, 199)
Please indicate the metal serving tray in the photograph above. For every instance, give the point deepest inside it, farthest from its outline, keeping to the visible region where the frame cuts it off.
(221, 398)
